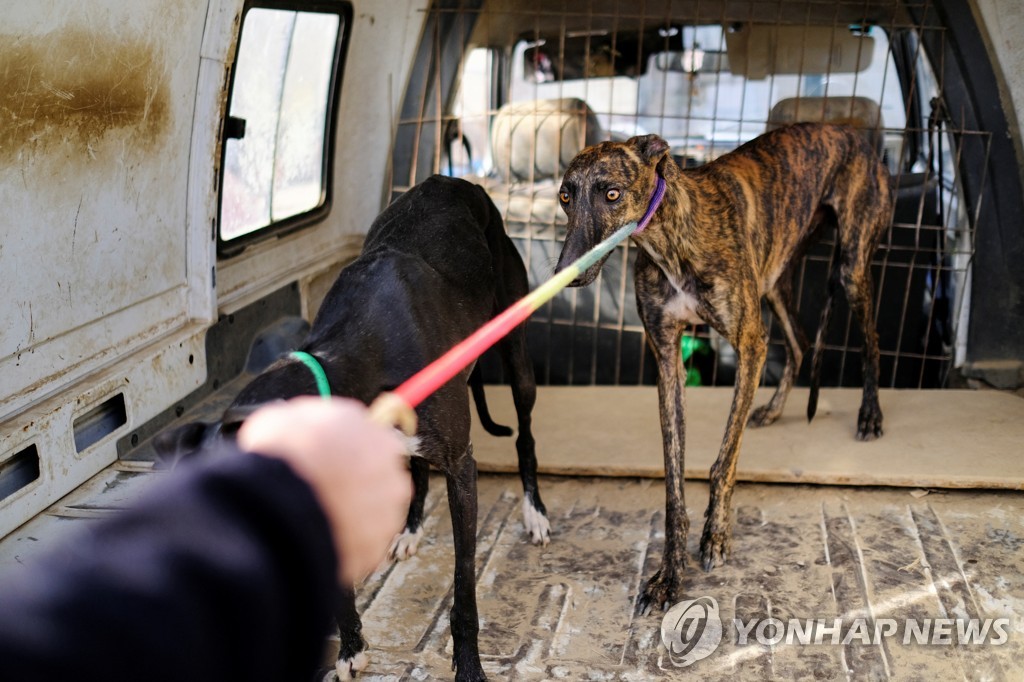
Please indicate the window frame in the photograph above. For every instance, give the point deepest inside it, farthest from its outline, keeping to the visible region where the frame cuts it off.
(286, 226)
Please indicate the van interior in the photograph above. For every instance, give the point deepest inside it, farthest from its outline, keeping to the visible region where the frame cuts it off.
(182, 182)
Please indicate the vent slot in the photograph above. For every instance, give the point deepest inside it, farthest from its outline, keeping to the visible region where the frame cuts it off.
(18, 471)
(100, 422)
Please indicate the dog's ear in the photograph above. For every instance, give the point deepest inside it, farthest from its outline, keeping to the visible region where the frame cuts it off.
(235, 415)
(652, 149)
(172, 445)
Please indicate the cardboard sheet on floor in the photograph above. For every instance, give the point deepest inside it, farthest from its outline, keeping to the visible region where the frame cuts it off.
(933, 439)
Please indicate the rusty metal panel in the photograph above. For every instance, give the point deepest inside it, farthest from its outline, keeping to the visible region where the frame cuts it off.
(104, 273)
(97, 103)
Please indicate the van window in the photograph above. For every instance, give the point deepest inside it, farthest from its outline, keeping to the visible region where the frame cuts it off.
(468, 147)
(278, 132)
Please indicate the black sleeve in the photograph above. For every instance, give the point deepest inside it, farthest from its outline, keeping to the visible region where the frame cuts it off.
(226, 571)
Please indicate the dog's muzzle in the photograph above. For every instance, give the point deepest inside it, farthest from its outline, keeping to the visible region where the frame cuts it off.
(585, 277)
(575, 247)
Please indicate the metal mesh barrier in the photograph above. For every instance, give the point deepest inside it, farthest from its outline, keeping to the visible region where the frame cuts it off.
(505, 93)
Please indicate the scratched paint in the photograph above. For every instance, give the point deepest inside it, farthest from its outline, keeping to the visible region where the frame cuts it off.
(71, 88)
(96, 117)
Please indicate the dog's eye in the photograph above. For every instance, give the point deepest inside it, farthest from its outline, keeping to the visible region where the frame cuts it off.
(613, 195)
(563, 196)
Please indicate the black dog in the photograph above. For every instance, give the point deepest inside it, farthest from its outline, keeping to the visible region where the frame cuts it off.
(435, 266)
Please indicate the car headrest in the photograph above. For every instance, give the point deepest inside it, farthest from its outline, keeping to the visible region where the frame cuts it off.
(536, 139)
(859, 112)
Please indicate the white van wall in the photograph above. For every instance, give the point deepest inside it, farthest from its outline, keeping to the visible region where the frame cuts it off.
(110, 117)
(98, 108)
(1002, 21)
(97, 113)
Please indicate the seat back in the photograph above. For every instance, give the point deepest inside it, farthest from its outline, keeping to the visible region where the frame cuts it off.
(860, 112)
(536, 139)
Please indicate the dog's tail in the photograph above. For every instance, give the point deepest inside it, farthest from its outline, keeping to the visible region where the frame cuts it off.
(819, 340)
(476, 385)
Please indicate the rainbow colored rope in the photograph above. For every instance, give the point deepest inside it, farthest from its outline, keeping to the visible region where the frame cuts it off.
(416, 389)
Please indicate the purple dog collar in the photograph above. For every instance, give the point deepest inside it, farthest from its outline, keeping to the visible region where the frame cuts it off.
(659, 194)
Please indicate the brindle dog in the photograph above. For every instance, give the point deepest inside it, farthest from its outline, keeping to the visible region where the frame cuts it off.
(727, 235)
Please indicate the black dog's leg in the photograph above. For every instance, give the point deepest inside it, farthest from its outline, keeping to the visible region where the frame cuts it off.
(351, 646)
(524, 395)
(751, 349)
(465, 623)
(780, 300)
(406, 543)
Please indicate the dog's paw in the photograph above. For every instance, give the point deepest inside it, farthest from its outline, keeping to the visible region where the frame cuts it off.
(405, 544)
(714, 548)
(869, 423)
(762, 416)
(664, 589)
(347, 668)
(536, 523)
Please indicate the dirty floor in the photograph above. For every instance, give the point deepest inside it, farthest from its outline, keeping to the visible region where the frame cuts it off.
(565, 611)
(916, 564)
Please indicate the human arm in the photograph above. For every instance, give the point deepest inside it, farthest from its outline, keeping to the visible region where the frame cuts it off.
(226, 570)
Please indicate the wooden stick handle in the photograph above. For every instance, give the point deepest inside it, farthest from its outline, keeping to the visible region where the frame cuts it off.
(389, 409)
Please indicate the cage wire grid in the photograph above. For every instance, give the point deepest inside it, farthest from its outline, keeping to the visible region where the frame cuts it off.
(921, 270)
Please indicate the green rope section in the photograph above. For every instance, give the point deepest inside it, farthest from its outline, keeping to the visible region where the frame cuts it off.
(323, 386)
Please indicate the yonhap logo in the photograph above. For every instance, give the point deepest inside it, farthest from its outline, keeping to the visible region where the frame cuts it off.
(691, 630)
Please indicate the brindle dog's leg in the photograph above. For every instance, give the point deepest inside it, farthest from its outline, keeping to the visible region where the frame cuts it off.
(862, 218)
(465, 624)
(751, 346)
(665, 587)
(780, 299)
(857, 282)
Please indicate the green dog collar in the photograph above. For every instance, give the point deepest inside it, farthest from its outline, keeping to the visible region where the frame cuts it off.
(322, 385)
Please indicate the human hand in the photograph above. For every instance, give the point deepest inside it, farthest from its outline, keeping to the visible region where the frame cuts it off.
(355, 467)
